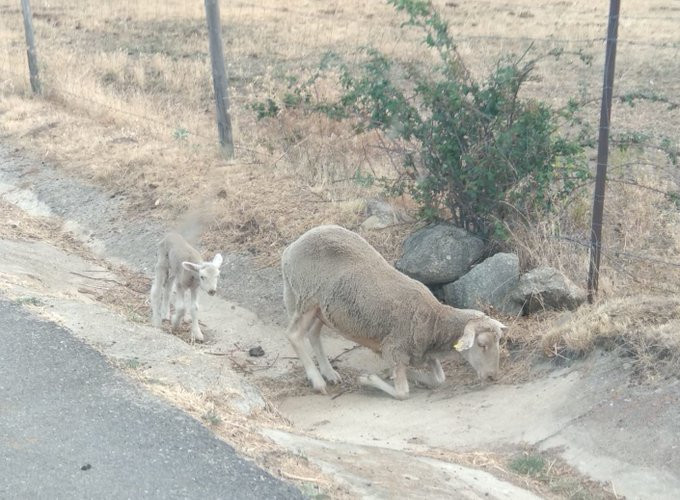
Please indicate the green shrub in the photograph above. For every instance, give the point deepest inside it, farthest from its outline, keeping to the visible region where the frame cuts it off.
(473, 152)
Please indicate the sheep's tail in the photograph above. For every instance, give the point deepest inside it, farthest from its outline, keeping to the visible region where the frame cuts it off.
(288, 294)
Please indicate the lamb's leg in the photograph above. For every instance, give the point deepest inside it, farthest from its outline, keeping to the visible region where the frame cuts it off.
(297, 330)
(187, 313)
(325, 367)
(157, 296)
(400, 390)
(431, 379)
(196, 333)
(167, 293)
(179, 307)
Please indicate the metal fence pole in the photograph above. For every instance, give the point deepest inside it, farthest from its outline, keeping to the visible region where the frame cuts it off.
(30, 47)
(603, 150)
(220, 82)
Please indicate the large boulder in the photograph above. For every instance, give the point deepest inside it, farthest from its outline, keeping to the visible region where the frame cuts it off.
(547, 288)
(488, 283)
(439, 253)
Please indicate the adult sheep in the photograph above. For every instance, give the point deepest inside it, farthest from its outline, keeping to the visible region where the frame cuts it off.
(333, 277)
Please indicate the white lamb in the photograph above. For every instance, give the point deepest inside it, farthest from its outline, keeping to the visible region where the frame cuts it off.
(180, 266)
(333, 277)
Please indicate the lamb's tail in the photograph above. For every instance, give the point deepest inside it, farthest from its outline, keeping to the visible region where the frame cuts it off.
(192, 224)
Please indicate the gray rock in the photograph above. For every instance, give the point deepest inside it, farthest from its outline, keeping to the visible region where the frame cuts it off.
(439, 253)
(488, 283)
(377, 222)
(547, 288)
(381, 214)
(437, 291)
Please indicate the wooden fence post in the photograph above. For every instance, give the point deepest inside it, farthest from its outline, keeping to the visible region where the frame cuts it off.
(220, 82)
(30, 47)
(603, 150)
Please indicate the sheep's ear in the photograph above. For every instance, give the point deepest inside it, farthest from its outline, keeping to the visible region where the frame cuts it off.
(217, 260)
(190, 266)
(468, 339)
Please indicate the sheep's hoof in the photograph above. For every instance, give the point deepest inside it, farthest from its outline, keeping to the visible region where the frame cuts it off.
(196, 337)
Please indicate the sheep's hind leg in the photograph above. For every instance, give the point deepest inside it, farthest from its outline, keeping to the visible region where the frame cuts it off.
(325, 367)
(400, 390)
(431, 379)
(297, 331)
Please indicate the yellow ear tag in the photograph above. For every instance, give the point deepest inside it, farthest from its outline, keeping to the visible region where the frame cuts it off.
(458, 346)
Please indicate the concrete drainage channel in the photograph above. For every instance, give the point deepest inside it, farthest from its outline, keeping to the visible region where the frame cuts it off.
(374, 446)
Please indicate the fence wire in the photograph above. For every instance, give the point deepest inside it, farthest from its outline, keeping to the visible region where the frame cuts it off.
(148, 62)
(63, 25)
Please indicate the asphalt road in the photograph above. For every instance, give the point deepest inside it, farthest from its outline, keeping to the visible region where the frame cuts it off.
(71, 426)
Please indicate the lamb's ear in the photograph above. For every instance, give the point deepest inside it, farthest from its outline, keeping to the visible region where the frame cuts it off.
(190, 266)
(217, 260)
(499, 327)
(468, 338)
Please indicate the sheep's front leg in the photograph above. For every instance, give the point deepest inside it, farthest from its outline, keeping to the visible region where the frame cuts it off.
(400, 390)
(431, 379)
(324, 365)
(297, 331)
(196, 333)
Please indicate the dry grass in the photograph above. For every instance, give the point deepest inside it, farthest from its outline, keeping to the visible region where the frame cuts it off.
(644, 327)
(542, 472)
(128, 104)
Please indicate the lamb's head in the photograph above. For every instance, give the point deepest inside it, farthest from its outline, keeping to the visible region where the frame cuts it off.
(479, 346)
(206, 273)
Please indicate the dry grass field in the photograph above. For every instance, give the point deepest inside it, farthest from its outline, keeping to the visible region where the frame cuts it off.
(128, 105)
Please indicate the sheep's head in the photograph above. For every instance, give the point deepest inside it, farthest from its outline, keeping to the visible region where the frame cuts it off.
(206, 273)
(479, 346)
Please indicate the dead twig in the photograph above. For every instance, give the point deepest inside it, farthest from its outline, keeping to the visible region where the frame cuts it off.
(336, 396)
(267, 367)
(109, 280)
(243, 368)
(288, 475)
(344, 352)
